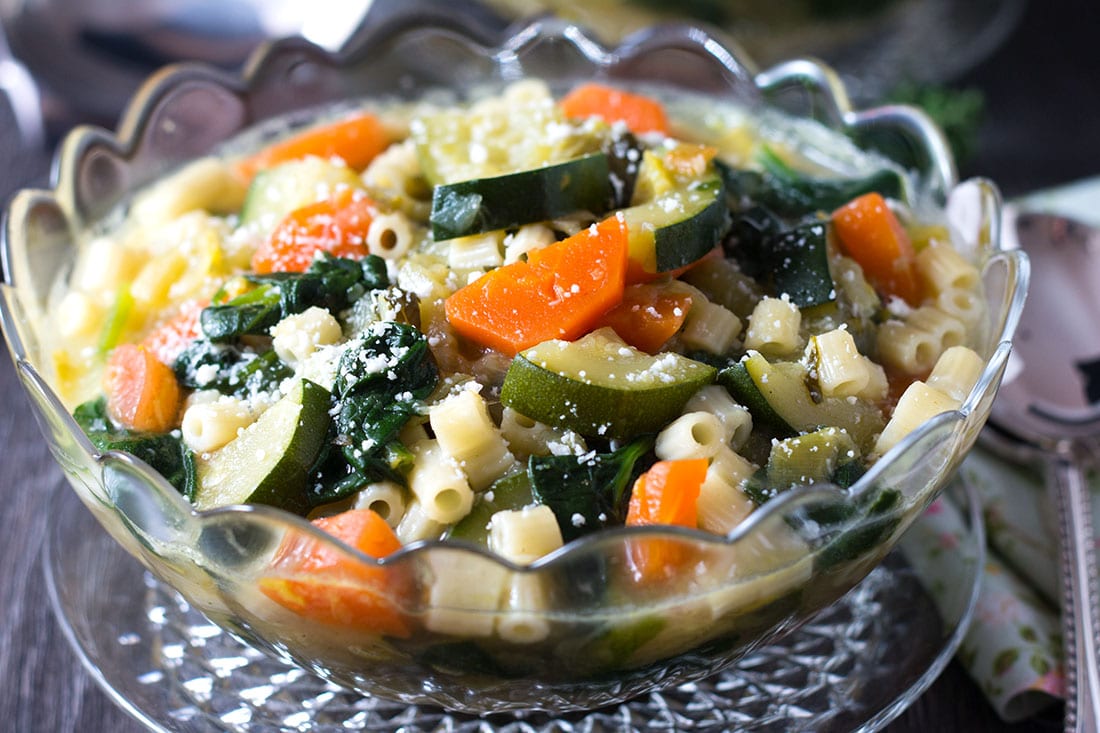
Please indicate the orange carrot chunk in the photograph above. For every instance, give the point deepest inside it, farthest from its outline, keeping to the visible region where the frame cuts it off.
(356, 140)
(650, 314)
(870, 234)
(337, 225)
(639, 113)
(142, 393)
(665, 494)
(559, 292)
(326, 585)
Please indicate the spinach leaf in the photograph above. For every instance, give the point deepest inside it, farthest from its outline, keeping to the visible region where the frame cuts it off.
(587, 492)
(332, 283)
(232, 371)
(164, 453)
(792, 194)
(380, 382)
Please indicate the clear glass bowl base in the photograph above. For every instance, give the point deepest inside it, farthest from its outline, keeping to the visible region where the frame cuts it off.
(855, 666)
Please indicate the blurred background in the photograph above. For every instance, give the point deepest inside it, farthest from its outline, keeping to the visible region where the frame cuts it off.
(1013, 82)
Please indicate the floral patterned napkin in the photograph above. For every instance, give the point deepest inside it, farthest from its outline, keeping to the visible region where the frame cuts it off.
(1013, 648)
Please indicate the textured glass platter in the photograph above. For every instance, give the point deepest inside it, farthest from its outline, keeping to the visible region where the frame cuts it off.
(855, 666)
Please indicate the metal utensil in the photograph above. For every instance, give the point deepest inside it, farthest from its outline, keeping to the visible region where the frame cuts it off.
(1050, 402)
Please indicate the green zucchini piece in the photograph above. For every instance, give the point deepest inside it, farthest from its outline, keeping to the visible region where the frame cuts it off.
(779, 394)
(674, 227)
(599, 386)
(800, 265)
(269, 462)
(510, 200)
(811, 458)
(508, 492)
(792, 194)
(879, 515)
(277, 191)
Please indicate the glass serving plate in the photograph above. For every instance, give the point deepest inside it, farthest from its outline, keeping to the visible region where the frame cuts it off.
(594, 649)
(855, 666)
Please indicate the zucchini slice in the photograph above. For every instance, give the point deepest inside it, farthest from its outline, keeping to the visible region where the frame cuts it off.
(277, 191)
(800, 265)
(601, 387)
(674, 222)
(779, 394)
(810, 458)
(510, 200)
(508, 492)
(269, 462)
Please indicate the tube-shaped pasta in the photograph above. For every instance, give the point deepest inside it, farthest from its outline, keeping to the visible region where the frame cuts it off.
(764, 565)
(207, 183)
(207, 426)
(905, 348)
(878, 386)
(966, 305)
(774, 327)
(522, 620)
(467, 434)
(395, 169)
(956, 372)
(710, 327)
(735, 418)
(841, 372)
(416, 525)
(390, 235)
(941, 267)
(722, 505)
(78, 316)
(438, 484)
(297, 336)
(151, 285)
(524, 535)
(918, 403)
(692, 435)
(465, 593)
(948, 330)
(104, 267)
(526, 239)
(526, 437)
(384, 498)
(476, 252)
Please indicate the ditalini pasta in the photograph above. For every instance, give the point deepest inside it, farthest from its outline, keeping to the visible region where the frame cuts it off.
(510, 322)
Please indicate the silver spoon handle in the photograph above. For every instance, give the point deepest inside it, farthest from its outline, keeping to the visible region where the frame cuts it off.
(1079, 598)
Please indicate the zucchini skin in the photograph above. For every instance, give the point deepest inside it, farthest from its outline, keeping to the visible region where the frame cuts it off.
(511, 200)
(683, 242)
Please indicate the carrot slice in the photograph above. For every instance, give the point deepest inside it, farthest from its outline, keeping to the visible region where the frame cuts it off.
(325, 585)
(650, 314)
(871, 235)
(142, 393)
(640, 113)
(336, 225)
(665, 494)
(167, 340)
(559, 292)
(356, 140)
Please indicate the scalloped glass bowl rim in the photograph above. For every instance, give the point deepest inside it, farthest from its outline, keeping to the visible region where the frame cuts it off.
(65, 197)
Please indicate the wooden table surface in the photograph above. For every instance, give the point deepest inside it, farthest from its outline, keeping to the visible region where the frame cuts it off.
(1043, 108)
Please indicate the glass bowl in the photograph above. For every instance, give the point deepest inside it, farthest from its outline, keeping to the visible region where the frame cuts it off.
(573, 630)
